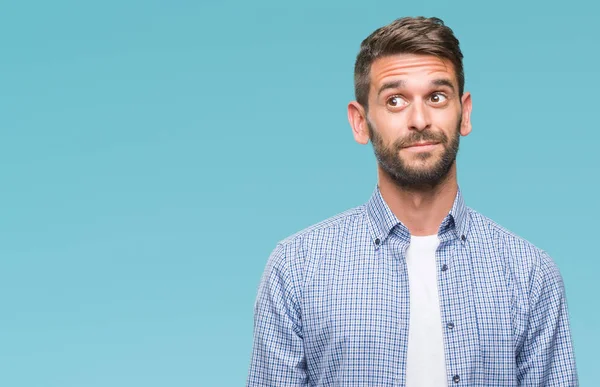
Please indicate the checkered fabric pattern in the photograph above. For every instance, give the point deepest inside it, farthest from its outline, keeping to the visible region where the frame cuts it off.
(333, 305)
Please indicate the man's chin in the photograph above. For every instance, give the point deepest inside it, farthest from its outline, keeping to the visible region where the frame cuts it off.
(427, 176)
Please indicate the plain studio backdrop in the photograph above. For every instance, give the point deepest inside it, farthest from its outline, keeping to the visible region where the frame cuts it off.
(152, 154)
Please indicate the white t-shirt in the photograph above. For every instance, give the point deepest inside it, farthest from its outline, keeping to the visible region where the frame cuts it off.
(426, 366)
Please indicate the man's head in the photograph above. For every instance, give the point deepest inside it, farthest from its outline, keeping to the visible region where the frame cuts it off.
(409, 86)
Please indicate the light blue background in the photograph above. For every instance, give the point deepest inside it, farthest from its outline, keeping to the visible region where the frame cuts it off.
(152, 153)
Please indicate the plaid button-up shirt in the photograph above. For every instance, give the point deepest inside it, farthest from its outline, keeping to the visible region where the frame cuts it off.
(333, 305)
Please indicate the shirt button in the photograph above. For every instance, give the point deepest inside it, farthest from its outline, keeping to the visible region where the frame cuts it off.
(456, 378)
(463, 237)
(444, 267)
(377, 241)
(450, 325)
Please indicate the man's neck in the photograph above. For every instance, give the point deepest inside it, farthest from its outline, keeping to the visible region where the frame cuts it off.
(421, 211)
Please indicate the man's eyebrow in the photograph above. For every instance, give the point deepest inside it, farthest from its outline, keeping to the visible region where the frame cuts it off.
(443, 82)
(391, 85)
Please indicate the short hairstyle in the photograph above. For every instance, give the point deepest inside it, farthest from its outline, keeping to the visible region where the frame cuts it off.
(407, 35)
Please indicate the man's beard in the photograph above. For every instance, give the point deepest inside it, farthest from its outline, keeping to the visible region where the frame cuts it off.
(416, 178)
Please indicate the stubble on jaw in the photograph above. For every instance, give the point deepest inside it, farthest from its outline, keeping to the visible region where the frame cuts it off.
(406, 176)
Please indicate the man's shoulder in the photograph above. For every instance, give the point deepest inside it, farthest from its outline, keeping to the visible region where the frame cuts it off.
(511, 247)
(326, 227)
(294, 250)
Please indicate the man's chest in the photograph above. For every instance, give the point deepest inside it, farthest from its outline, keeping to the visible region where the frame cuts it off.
(356, 313)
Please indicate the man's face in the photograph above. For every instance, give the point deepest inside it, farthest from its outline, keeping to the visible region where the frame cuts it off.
(414, 118)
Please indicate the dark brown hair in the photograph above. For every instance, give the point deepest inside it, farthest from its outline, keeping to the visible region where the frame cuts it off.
(407, 35)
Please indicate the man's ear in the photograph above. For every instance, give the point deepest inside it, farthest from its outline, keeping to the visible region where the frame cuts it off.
(467, 106)
(357, 117)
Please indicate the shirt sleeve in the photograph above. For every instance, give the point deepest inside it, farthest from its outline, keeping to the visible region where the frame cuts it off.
(546, 358)
(278, 353)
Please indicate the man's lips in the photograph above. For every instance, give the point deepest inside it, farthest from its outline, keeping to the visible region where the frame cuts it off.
(422, 145)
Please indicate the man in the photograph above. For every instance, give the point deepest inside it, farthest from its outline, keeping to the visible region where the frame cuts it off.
(413, 288)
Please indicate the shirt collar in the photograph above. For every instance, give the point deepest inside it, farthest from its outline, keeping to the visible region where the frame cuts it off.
(382, 220)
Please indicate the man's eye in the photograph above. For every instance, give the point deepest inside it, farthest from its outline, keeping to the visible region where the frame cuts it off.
(438, 98)
(396, 101)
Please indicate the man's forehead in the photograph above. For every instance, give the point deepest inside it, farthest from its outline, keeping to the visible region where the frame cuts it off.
(407, 65)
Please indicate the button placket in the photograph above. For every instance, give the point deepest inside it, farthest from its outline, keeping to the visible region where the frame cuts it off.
(448, 278)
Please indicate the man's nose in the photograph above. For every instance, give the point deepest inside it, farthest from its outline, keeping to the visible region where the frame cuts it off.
(418, 116)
